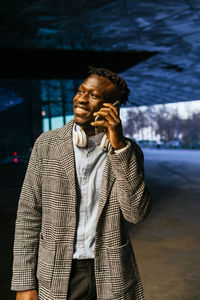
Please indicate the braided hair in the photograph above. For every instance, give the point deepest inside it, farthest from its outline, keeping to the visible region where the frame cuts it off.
(116, 79)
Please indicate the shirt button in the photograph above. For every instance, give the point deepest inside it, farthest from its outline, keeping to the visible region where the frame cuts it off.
(84, 177)
(81, 246)
(88, 154)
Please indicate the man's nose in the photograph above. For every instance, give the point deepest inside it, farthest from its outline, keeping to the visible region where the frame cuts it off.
(83, 98)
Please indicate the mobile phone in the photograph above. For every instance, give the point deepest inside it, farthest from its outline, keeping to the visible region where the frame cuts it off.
(117, 104)
(98, 118)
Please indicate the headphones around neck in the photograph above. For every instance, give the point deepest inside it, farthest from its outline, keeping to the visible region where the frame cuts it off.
(80, 140)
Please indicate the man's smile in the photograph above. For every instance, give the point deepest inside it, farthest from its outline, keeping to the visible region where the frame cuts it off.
(80, 110)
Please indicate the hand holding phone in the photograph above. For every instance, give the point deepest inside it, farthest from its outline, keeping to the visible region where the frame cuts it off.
(108, 118)
(100, 118)
(116, 104)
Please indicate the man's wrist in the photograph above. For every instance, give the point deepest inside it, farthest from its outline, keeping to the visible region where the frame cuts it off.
(122, 144)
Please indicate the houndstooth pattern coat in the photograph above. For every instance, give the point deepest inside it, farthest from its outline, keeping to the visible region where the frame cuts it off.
(46, 220)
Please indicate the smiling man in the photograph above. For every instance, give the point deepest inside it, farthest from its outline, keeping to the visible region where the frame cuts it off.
(82, 182)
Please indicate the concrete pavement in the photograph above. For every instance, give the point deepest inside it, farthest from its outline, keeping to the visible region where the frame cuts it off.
(167, 244)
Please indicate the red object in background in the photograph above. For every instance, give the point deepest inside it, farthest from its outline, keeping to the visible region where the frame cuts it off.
(16, 159)
(14, 153)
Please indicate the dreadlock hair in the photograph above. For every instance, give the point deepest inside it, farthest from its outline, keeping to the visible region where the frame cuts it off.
(116, 79)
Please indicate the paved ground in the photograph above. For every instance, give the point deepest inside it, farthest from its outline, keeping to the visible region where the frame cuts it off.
(167, 244)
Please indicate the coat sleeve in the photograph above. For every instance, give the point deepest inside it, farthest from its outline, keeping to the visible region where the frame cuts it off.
(133, 195)
(27, 228)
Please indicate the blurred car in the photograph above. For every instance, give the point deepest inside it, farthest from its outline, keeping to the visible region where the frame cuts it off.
(150, 143)
(173, 144)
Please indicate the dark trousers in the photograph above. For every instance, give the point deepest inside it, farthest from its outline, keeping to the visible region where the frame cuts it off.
(82, 284)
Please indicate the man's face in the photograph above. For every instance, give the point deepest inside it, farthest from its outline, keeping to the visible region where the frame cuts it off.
(91, 95)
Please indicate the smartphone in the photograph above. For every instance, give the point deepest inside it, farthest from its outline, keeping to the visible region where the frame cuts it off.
(117, 104)
(98, 118)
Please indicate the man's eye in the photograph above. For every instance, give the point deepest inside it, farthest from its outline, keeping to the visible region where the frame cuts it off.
(80, 92)
(94, 96)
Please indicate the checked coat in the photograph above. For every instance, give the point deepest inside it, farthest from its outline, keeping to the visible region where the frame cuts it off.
(47, 220)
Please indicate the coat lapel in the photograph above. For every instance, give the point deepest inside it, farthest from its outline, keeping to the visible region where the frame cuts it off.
(107, 182)
(66, 154)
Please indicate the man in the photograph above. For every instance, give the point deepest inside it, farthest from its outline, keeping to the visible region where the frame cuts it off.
(71, 241)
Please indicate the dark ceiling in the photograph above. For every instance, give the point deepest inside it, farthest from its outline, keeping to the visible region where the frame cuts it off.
(158, 43)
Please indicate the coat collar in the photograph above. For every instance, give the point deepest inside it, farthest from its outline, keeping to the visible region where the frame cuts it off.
(66, 155)
(65, 132)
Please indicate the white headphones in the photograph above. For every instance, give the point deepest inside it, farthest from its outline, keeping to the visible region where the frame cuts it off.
(80, 140)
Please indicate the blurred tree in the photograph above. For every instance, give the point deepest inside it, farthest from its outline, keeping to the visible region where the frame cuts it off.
(136, 121)
(141, 121)
(190, 131)
(166, 124)
(129, 128)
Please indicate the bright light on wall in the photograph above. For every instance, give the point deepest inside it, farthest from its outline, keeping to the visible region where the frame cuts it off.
(56, 122)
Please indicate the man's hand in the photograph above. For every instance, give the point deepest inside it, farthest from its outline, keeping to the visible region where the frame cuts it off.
(27, 295)
(112, 125)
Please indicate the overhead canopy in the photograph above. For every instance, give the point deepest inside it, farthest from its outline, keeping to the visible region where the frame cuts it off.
(163, 35)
